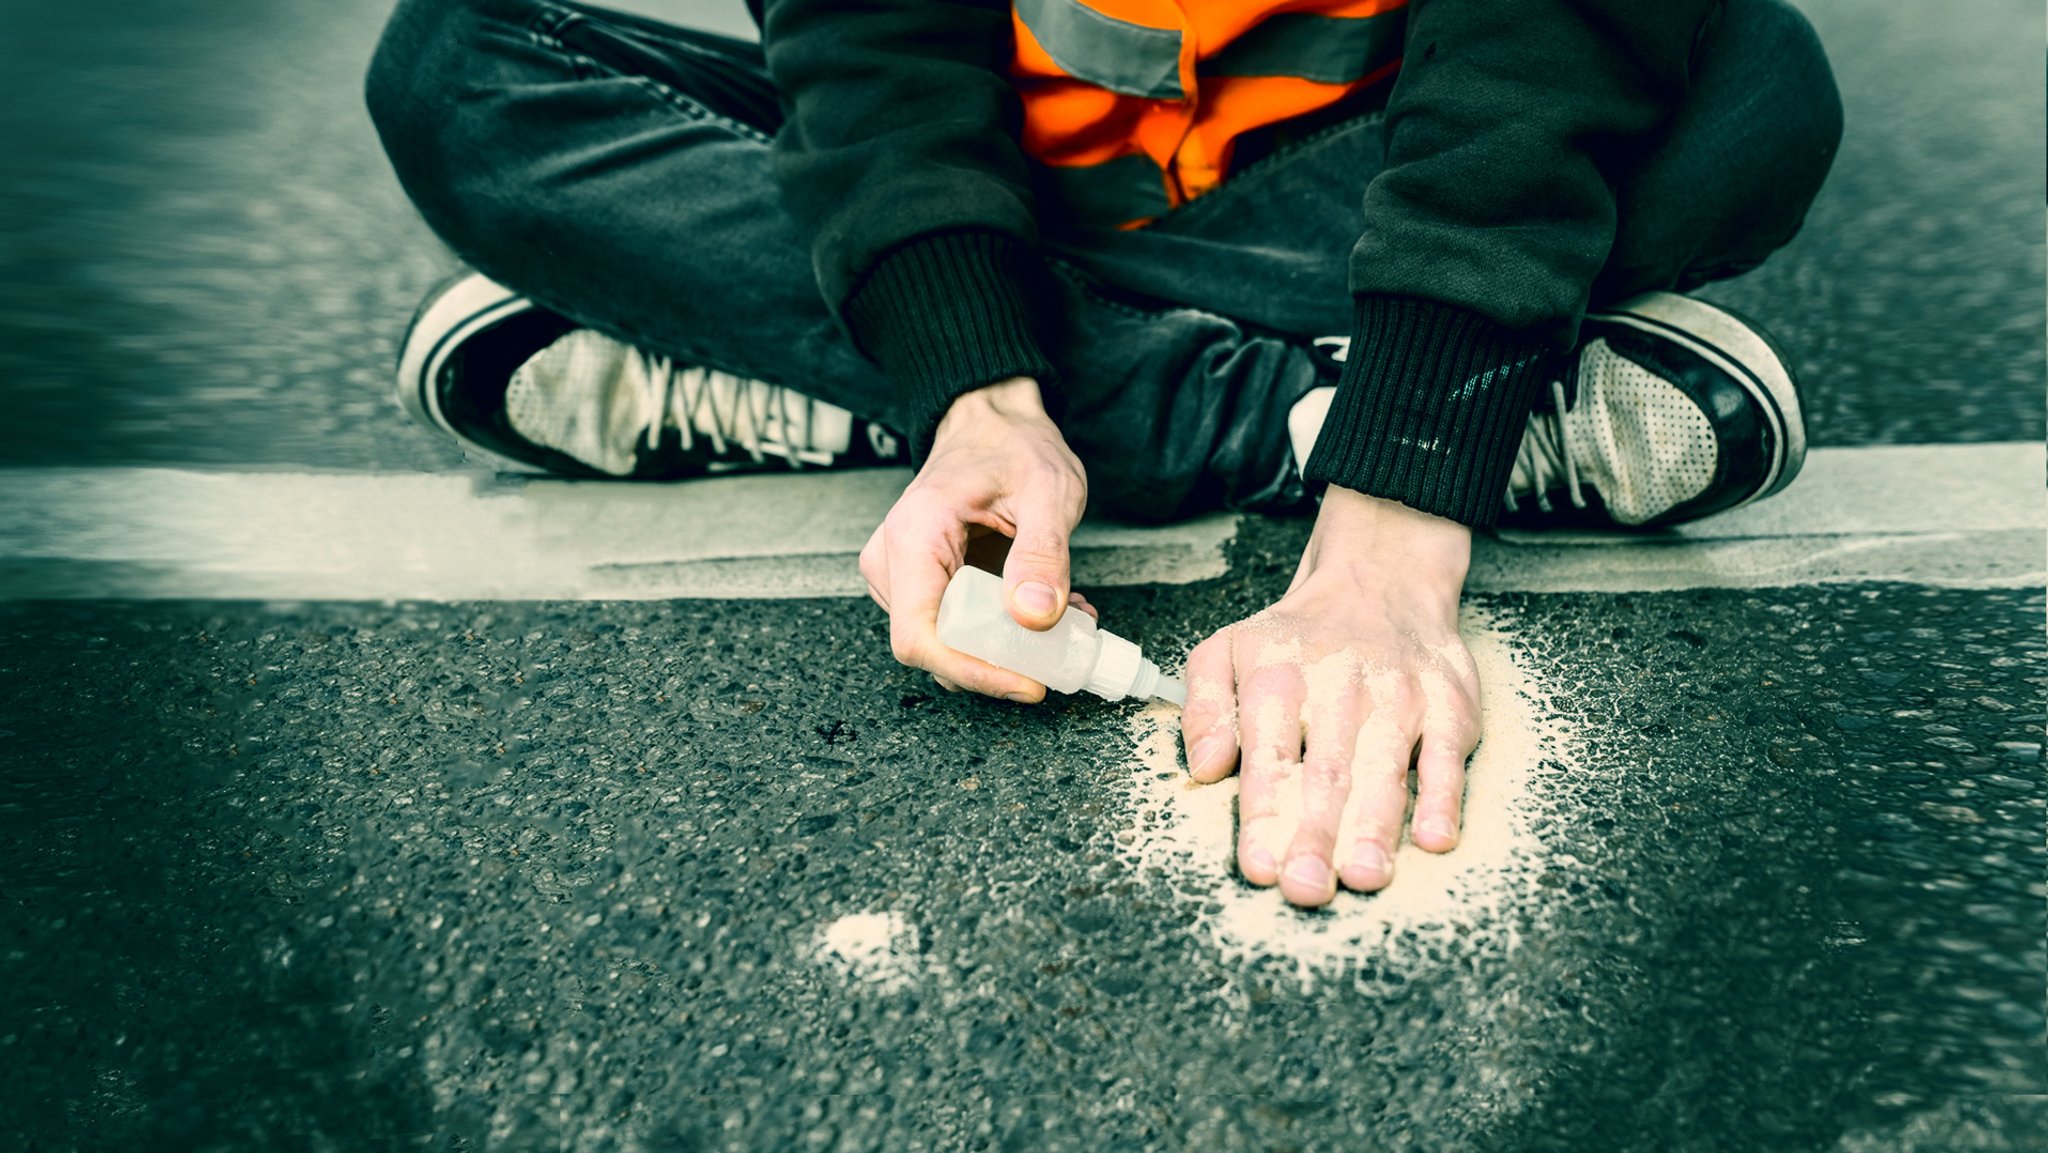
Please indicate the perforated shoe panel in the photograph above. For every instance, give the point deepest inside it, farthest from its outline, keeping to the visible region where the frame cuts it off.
(586, 396)
(1639, 441)
(626, 412)
(1674, 409)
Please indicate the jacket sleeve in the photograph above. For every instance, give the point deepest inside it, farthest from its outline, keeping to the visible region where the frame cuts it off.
(899, 159)
(1485, 231)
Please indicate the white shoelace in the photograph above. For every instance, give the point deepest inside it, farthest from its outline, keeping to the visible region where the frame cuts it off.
(1546, 454)
(746, 413)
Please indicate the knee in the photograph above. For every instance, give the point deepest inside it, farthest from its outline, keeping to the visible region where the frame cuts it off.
(400, 67)
(426, 60)
(416, 69)
(1732, 180)
(1796, 124)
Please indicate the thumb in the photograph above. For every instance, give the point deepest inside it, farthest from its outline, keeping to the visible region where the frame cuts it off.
(1035, 580)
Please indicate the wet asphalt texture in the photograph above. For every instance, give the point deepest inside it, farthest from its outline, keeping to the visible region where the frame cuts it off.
(551, 876)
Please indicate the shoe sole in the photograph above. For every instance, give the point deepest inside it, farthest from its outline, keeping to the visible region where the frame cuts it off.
(454, 311)
(1737, 348)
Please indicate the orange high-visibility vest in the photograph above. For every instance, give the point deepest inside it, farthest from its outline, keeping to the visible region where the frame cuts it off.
(1132, 107)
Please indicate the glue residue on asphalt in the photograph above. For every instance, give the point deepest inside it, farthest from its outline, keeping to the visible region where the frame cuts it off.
(1186, 834)
(879, 950)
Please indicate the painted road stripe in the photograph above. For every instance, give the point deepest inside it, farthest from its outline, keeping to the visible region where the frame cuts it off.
(1960, 515)
(1954, 515)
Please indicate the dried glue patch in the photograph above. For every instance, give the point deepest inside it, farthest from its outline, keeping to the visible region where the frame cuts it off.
(1186, 835)
(875, 949)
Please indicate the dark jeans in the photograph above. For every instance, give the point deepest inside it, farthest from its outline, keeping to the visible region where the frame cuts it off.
(616, 170)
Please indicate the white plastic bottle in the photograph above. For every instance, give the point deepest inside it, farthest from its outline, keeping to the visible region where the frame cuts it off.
(1072, 655)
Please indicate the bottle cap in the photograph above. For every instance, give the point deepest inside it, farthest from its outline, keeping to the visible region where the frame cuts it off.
(1117, 664)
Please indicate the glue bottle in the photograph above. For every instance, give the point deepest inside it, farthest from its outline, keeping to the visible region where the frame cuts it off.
(1072, 655)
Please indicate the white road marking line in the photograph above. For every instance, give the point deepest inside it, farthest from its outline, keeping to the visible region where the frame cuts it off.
(1963, 515)
(1971, 515)
(1891, 490)
(169, 533)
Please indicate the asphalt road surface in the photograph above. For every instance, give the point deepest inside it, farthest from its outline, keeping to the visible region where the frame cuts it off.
(715, 874)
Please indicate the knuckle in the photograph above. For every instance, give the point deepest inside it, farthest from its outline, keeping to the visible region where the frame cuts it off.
(1373, 830)
(1325, 771)
(1041, 553)
(1336, 704)
(907, 651)
(919, 501)
(1402, 699)
(1435, 769)
(1450, 763)
(1461, 737)
(1452, 727)
(1040, 477)
(907, 520)
(1274, 680)
(1055, 486)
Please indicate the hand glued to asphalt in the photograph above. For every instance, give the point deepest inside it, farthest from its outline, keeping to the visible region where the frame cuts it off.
(1326, 700)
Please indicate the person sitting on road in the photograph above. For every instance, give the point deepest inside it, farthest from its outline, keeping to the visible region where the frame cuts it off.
(1416, 266)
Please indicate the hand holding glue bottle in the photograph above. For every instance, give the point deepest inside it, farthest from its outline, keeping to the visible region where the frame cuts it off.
(1072, 655)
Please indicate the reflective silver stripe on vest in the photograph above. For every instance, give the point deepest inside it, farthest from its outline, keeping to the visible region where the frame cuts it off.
(1113, 192)
(1326, 49)
(1118, 55)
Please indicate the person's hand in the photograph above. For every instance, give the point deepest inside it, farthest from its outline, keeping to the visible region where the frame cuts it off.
(1355, 674)
(1001, 488)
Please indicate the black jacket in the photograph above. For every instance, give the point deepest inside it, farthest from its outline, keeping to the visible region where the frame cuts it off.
(1484, 231)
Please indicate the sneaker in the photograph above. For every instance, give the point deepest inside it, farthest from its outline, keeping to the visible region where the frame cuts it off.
(1673, 410)
(531, 392)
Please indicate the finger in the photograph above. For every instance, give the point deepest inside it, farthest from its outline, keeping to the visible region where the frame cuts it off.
(1379, 784)
(1309, 875)
(945, 684)
(1080, 602)
(1440, 789)
(1035, 572)
(1208, 723)
(1269, 796)
(921, 560)
(874, 564)
(1450, 731)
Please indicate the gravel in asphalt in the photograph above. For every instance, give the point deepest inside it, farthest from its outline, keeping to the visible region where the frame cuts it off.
(718, 875)
(578, 876)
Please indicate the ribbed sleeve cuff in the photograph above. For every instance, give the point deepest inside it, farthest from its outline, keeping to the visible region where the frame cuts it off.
(1430, 408)
(949, 313)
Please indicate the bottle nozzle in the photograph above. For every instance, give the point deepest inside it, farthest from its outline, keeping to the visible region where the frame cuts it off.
(1150, 682)
(1171, 689)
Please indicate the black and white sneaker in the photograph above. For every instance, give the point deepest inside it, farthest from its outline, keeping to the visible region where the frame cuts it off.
(529, 391)
(1673, 410)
